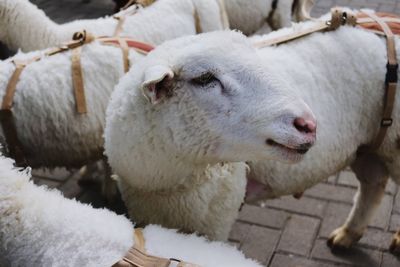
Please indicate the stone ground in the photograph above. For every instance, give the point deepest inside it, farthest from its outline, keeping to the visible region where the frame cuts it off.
(285, 232)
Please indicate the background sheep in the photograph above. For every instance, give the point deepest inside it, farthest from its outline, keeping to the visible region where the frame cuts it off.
(263, 16)
(341, 75)
(258, 15)
(26, 27)
(39, 227)
(178, 152)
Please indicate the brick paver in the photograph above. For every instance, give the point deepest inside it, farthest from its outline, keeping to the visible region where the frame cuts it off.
(284, 232)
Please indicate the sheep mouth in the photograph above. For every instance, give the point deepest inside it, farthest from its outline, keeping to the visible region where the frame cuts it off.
(301, 149)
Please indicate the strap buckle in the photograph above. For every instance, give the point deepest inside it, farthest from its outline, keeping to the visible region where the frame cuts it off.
(391, 73)
(386, 122)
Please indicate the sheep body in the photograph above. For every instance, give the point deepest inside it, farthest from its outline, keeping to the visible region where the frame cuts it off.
(49, 128)
(154, 24)
(39, 227)
(341, 75)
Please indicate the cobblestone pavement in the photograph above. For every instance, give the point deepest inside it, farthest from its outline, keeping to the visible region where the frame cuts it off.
(285, 232)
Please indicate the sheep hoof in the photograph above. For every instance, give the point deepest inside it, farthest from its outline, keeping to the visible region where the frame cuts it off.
(395, 245)
(342, 238)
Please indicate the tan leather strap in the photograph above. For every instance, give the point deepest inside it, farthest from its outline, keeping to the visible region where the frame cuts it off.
(77, 80)
(139, 239)
(7, 122)
(390, 83)
(120, 24)
(137, 257)
(77, 74)
(338, 18)
(125, 52)
(14, 146)
(11, 86)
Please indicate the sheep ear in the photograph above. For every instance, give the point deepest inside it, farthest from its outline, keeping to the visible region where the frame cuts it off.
(157, 83)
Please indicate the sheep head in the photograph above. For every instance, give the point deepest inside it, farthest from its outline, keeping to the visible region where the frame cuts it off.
(202, 100)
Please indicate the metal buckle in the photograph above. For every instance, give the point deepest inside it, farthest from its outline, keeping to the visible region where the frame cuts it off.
(391, 73)
(386, 122)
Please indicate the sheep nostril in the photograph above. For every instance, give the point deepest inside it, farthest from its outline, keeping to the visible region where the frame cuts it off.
(305, 126)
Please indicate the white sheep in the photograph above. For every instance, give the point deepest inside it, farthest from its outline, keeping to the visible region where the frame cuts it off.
(18, 16)
(25, 26)
(258, 16)
(39, 227)
(207, 106)
(263, 16)
(50, 131)
(341, 75)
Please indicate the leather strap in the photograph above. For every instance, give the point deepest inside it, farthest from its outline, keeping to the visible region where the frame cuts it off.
(14, 146)
(390, 83)
(120, 24)
(11, 86)
(77, 74)
(125, 52)
(77, 81)
(6, 116)
(137, 257)
(338, 18)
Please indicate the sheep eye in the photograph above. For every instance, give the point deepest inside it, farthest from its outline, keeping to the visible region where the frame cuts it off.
(204, 79)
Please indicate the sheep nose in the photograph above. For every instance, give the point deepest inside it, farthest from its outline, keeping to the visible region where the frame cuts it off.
(305, 125)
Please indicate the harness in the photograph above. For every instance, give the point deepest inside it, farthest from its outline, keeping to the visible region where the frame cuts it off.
(79, 39)
(137, 256)
(378, 23)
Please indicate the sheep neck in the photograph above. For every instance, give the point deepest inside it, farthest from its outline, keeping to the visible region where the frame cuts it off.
(14, 16)
(188, 177)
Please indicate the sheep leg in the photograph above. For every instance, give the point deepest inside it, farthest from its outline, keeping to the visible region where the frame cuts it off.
(109, 188)
(373, 175)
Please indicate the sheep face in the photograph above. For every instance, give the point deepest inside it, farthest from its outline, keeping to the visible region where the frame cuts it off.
(207, 99)
(224, 106)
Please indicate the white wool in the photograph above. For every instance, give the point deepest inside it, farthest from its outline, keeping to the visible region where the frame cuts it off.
(340, 75)
(18, 16)
(39, 227)
(51, 131)
(179, 160)
(250, 17)
(27, 27)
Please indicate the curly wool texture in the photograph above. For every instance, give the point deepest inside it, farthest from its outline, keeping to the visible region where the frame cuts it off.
(341, 75)
(39, 227)
(26, 27)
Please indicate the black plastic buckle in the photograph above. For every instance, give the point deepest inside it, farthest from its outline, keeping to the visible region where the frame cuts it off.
(391, 73)
(386, 122)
